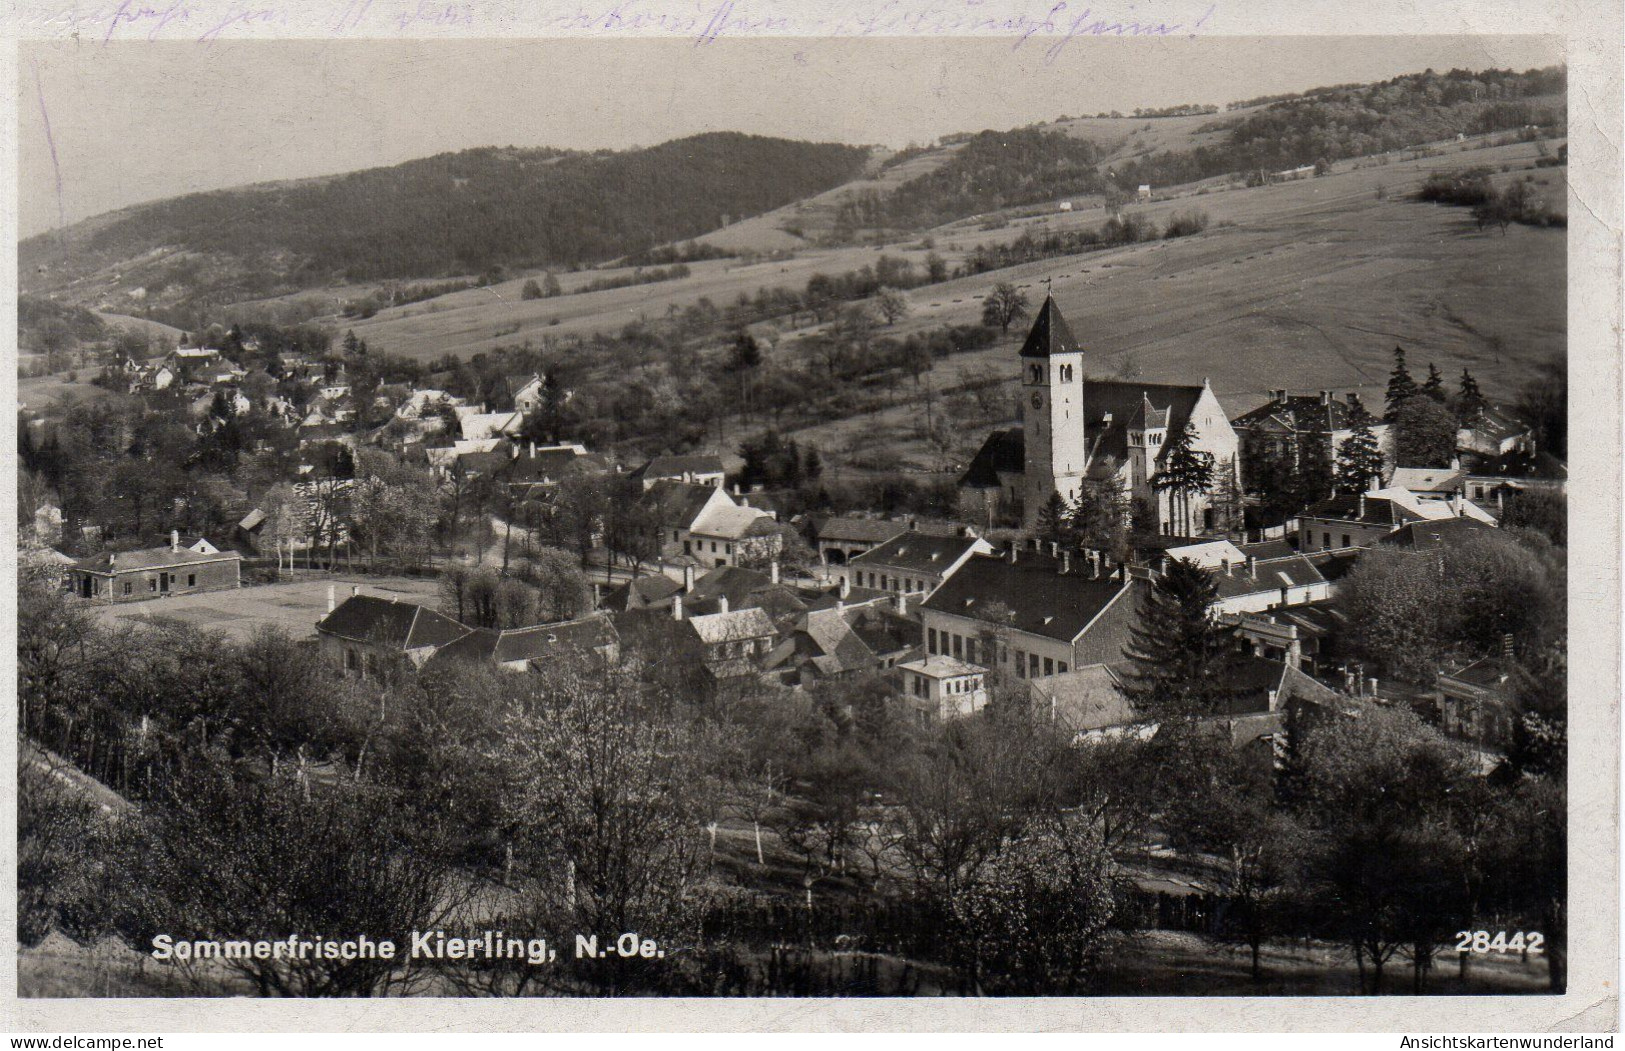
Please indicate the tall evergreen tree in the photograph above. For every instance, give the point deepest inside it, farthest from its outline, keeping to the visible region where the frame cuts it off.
(1182, 655)
(1359, 458)
(1400, 385)
(1053, 521)
(1433, 387)
(1470, 401)
(1185, 473)
(1100, 517)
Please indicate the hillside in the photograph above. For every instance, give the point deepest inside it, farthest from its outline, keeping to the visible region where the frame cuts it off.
(457, 213)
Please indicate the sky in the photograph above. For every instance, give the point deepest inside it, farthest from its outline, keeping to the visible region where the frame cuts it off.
(103, 126)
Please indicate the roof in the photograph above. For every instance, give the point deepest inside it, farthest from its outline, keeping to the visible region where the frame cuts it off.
(1146, 417)
(1305, 412)
(678, 466)
(646, 590)
(857, 529)
(677, 503)
(398, 625)
(1373, 510)
(1487, 674)
(1267, 549)
(732, 626)
(831, 632)
(918, 552)
(1335, 565)
(1428, 479)
(1435, 534)
(1109, 409)
(942, 666)
(731, 521)
(1049, 334)
(148, 558)
(485, 424)
(1039, 598)
(548, 465)
(1090, 698)
(1295, 685)
(1497, 423)
(1272, 574)
(1516, 464)
(1003, 452)
(541, 642)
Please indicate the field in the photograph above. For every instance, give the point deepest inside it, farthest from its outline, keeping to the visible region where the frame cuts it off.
(293, 608)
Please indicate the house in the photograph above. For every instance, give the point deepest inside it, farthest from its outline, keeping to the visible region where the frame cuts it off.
(733, 643)
(477, 425)
(1144, 192)
(941, 688)
(531, 470)
(1263, 584)
(840, 538)
(1495, 431)
(914, 563)
(1433, 535)
(695, 469)
(703, 523)
(654, 591)
(1363, 519)
(1430, 483)
(736, 587)
(1028, 613)
(527, 649)
(1307, 637)
(1282, 428)
(1076, 429)
(424, 403)
(1088, 702)
(369, 636)
(1492, 480)
(130, 576)
(527, 392)
(843, 639)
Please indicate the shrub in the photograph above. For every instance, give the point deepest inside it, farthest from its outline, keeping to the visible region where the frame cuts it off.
(1183, 224)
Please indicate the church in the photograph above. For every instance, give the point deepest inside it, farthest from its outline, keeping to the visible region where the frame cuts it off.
(1075, 428)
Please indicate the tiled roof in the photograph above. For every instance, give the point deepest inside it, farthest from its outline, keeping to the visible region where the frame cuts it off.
(1108, 438)
(549, 465)
(917, 552)
(1090, 698)
(654, 587)
(676, 504)
(678, 466)
(1267, 549)
(732, 626)
(1041, 600)
(1049, 334)
(830, 630)
(732, 522)
(1428, 479)
(1003, 452)
(1374, 510)
(1271, 574)
(1436, 533)
(1488, 673)
(942, 666)
(1302, 412)
(857, 529)
(1497, 424)
(382, 621)
(1516, 465)
(148, 558)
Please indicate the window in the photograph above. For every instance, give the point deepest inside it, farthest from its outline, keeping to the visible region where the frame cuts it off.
(152, 583)
(959, 646)
(1328, 540)
(191, 580)
(931, 640)
(351, 660)
(1345, 540)
(1060, 667)
(1032, 665)
(1021, 665)
(727, 549)
(127, 588)
(1049, 666)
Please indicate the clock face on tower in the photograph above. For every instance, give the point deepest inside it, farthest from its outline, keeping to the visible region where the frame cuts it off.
(1038, 400)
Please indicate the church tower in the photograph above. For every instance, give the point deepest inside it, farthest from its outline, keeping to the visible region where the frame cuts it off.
(1052, 412)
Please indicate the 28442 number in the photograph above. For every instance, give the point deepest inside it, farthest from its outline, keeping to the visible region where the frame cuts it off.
(1484, 942)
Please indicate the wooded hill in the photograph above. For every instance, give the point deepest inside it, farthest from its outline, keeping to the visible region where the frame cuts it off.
(454, 213)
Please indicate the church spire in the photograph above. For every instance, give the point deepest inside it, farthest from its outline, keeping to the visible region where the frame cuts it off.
(1049, 334)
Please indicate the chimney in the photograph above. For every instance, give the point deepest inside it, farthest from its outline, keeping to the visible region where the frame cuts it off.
(744, 501)
(174, 540)
(1252, 566)
(533, 450)
(1013, 551)
(688, 578)
(839, 606)
(1227, 571)
(112, 559)
(355, 589)
(1325, 397)
(1371, 685)
(1455, 503)
(1278, 395)
(722, 604)
(1094, 565)
(913, 523)
(677, 607)
(773, 571)
(331, 599)
(736, 488)
(1066, 562)
(1162, 564)
(846, 586)
(513, 452)
(902, 603)
(1362, 507)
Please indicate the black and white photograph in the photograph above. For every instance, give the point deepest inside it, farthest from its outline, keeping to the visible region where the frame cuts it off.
(1064, 513)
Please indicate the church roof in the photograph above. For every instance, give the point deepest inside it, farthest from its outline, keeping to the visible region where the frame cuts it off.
(1049, 334)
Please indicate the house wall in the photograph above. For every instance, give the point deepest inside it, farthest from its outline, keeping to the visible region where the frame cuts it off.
(1312, 533)
(183, 580)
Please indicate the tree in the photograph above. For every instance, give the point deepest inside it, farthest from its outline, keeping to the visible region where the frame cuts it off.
(1004, 305)
(1181, 654)
(1359, 457)
(1185, 473)
(1393, 603)
(550, 285)
(530, 290)
(1424, 434)
(1470, 401)
(1434, 386)
(1100, 517)
(893, 305)
(1400, 385)
(1052, 519)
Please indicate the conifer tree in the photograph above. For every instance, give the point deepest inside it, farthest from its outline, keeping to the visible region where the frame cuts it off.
(1182, 655)
(1400, 385)
(1434, 385)
(1470, 401)
(1359, 457)
(1185, 473)
(1052, 520)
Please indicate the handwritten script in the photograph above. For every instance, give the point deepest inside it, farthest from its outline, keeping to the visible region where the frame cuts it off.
(1046, 24)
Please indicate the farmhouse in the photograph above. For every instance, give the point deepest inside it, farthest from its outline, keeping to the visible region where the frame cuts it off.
(940, 688)
(525, 649)
(840, 538)
(129, 576)
(1361, 520)
(694, 469)
(914, 563)
(1495, 479)
(1078, 430)
(704, 523)
(369, 636)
